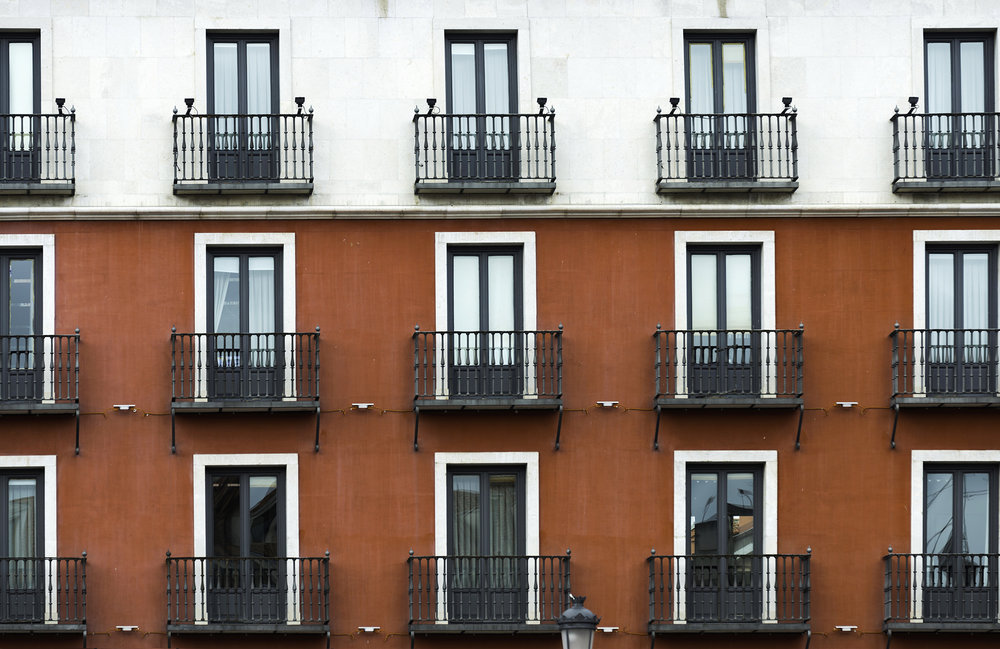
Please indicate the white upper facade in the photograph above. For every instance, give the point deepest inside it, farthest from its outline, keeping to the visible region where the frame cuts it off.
(604, 65)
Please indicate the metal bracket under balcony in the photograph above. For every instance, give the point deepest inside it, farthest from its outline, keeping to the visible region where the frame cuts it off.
(503, 153)
(726, 153)
(243, 154)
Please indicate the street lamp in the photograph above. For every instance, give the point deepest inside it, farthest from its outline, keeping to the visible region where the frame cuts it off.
(577, 625)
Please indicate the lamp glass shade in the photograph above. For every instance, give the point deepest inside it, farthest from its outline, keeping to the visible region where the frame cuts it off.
(577, 638)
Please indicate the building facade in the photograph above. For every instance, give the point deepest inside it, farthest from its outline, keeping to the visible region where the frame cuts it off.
(396, 322)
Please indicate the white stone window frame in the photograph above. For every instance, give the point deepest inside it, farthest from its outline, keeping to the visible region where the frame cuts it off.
(526, 240)
(46, 243)
(200, 465)
(529, 461)
(921, 240)
(205, 240)
(769, 461)
(683, 239)
(50, 513)
(986, 458)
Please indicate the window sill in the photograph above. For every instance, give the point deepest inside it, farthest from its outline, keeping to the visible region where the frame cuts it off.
(40, 627)
(949, 401)
(725, 186)
(39, 407)
(37, 188)
(939, 186)
(959, 626)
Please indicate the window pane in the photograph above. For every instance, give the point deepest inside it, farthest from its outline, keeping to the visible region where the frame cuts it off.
(226, 531)
(463, 78)
(976, 517)
(226, 294)
(741, 513)
(21, 315)
(975, 296)
(501, 286)
(465, 514)
(739, 293)
(938, 514)
(704, 513)
(263, 513)
(224, 57)
(734, 78)
(973, 76)
(704, 293)
(258, 78)
(938, 77)
(465, 292)
(700, 79)
(22, 511)
(503, 515)
(941, 291)
(21, 89)
(261, 294)
(497, 80)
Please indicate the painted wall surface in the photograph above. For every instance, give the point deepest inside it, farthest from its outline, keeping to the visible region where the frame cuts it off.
(368, 497)
(605, 67)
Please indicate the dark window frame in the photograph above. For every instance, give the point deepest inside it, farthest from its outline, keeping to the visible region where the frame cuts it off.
(716, 39)
(955, 38)
(39, 476)
(6, 254)
(244, 254)
(484, 472)
(479, 39)
(245, 473)
(961, 249)
(720, 251)
(241, 39)
(6, 38)
(721, 469)
(484, 252)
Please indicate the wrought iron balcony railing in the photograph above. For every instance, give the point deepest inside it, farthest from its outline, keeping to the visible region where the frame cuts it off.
(698, 367)
(272, 370)
(731, 591)
(488, 368)
(940, 592)
(43, 594)
(726, 151)
(248, 594)
(944, 151)
(487, 593)
(260, 153)
(38, 152)
(40, 373)
(485, 153)
(934, 366)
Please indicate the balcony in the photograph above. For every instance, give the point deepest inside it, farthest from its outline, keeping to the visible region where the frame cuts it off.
(731, 152)
(244, 372)
(944, 368)
(248, 595)
(487, 370)
(38, 153)
(729, 593)
(735, 368)
(243, 154)
(487, 594)
(944, 152)
(40, 375)
(43, 595)
(941, 593)
(485, 153)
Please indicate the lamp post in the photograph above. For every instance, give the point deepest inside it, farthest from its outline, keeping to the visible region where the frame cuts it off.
(577, 625)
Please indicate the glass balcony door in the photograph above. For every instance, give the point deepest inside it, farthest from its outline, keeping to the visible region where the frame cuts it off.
(720, 97)
(21, 355)
(246, 580)
(243, 83)
(960, 542)
(723, 309)
(960, 129)
(481, 76)
(487, 344)
(21, 568)
(725, 573)
(487, 571)
(20, 101)
(961, 346)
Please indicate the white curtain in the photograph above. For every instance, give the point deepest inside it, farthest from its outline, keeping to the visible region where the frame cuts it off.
(503, 530)
(259, 95)
(497, 95)
(22, 531)
(973, 96)
(225, 94)
(941, 306)
(702, 89)
(938, 94)
(734, 93)
(261, 310)
(975, 306)
(465, 530)
(20, 94)
(463, 95)
(465, 309)
(501, 308)
(226, 317)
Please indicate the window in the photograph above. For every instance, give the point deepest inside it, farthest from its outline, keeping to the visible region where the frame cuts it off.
(245, 529)
(961, 319)
(22, 596)
(246, 515)
(725, 572)
(20, 102)
(719, 85)
(481, 80)
(959, 90)
(724, 313)
(243, 82)
(488, 571)
(20, 325)
(485, 315)
(724, 281)
(728, 578)
(245, 307)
